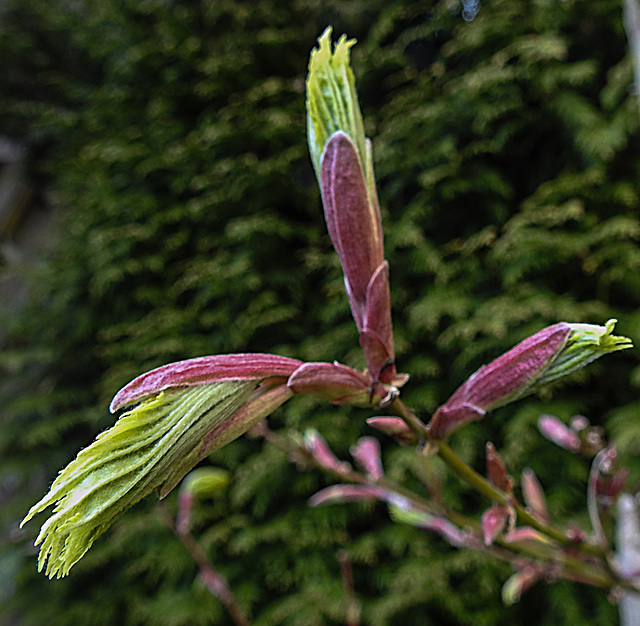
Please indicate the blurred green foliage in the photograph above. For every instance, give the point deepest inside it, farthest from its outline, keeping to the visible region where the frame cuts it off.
(171, 139)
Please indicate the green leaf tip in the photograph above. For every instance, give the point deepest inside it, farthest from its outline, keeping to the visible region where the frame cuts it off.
(332, 101)
(151, 447)
(585, 344)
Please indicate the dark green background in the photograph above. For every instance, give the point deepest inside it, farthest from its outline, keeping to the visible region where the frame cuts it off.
(170, 139)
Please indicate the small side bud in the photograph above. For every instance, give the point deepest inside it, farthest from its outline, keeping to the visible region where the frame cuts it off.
(204, 482)
(336, 383)
(396, 428)
(493, 522)
(558, 432)
(519, 583)
(496, 470)
(533, 495)
(316, 446)
(367, 455)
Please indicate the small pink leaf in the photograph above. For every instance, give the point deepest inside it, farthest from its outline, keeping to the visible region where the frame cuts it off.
(376, 335)
(201, 370)
(367, 455)
(494, 519)
(394, 427)
(332, 381)
(534, 495)
(554, 430)
(318, 448)
(338, 494)
(496, 470)
(527, 534)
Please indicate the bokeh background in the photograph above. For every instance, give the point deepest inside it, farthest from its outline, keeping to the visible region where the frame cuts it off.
(166, 151)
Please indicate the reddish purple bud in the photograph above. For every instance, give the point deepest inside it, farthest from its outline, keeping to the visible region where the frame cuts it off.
(353, 224)
(353, 221)
(336, 383)
(202, 370)
(579, 422)
(494, 520)
(376, 335)
(554, 430)
(318, 448)
(367, 455)
(534, 495)
(507, 378)
(396, 428)
(519, 583)
(496, 471)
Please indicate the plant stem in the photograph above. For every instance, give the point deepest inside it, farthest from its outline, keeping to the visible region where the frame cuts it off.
(486, 488)
(562, 562)
(215, 582)
(353, 608)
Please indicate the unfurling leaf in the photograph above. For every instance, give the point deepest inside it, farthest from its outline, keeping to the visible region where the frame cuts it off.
(343, 162)
(150, 447)
(550, 354)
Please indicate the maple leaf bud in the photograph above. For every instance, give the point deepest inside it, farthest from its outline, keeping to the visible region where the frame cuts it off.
(557, 431)
(367, 455)
(396, 428)
(496, 470)
(533, 495)
(342, 159)
(332, 101)
(336, 383)
(493, 522)
(184, 411)
(550, 354)
(316, 446)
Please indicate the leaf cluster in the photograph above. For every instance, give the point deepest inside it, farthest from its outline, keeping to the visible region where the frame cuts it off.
(170, 138)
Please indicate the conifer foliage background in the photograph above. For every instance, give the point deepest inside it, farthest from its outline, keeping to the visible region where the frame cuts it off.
(170, 137)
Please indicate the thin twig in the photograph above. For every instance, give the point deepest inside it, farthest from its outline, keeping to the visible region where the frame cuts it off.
(215, 582)
(485, 487)
(567, 564)
(353, 608)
